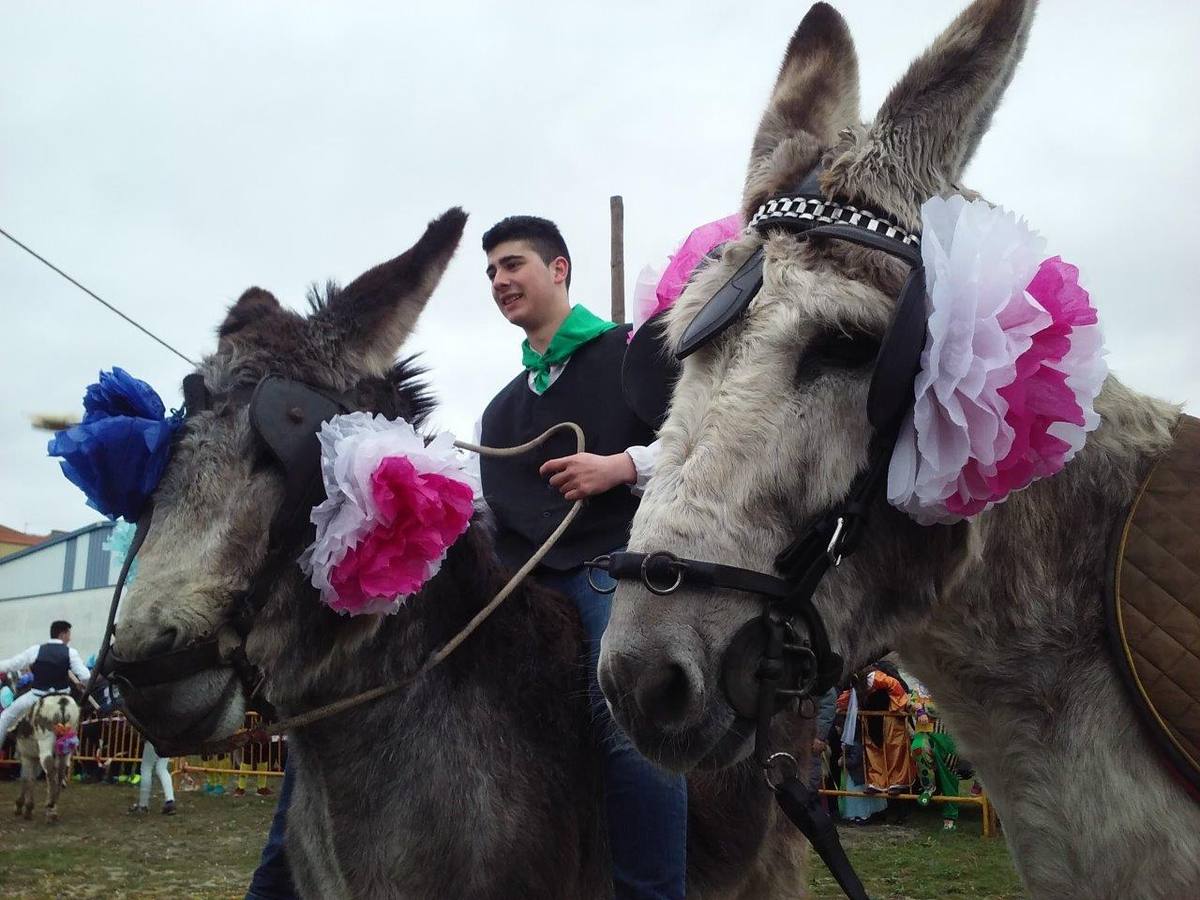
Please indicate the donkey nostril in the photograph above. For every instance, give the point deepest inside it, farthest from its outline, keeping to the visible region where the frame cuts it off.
(164, 643)
(664, 694)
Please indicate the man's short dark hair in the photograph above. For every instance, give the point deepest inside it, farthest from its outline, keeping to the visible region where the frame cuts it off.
(541, 234)
(58, 628)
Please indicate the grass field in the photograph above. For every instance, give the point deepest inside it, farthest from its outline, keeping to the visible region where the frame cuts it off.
(209, 849)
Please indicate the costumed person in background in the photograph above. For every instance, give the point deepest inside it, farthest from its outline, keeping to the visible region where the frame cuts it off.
(889, 765)
(935, 755)
(934, 752)
(572, 364)
(246, 760)
(52, 665)
(856, 810)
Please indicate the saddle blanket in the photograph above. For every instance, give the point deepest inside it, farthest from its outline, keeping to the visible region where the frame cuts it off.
(1154, 602)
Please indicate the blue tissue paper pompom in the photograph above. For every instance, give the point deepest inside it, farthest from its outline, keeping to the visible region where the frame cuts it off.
(117, 455)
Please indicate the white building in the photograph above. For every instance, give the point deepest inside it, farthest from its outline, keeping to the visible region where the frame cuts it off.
(67, 577)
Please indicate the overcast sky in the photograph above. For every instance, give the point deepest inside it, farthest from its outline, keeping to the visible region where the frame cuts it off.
(171, 155)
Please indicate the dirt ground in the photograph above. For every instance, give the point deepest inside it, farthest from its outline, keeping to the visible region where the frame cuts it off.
(210, 847)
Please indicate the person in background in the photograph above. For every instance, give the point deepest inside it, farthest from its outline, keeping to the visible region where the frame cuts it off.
(52, 664)
(6, 692)
(889, 764)
(154, 765)
(822, 727)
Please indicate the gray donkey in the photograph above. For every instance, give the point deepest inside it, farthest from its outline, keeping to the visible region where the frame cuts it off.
(481, 778)
(1001, 616)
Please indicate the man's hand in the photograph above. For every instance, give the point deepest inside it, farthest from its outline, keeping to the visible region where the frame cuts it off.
(586, 474)
(818, 746)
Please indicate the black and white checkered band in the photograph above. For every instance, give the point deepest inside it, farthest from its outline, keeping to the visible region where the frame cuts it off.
(791, 211)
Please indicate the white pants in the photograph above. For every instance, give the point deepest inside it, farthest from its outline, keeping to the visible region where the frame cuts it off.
(19, 707)
(153, 763)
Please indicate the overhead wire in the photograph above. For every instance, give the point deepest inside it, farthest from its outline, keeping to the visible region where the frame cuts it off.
(146, 331)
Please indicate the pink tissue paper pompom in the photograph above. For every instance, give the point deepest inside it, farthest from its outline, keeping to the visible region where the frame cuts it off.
(421, 515)
(1012, 365)
(396, 503)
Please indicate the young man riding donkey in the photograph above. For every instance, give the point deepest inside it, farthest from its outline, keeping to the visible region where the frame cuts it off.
(46, 716)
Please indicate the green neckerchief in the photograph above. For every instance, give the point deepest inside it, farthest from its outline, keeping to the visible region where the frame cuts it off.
(578, 328)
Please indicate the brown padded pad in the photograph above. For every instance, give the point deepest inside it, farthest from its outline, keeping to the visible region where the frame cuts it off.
(1158, 599)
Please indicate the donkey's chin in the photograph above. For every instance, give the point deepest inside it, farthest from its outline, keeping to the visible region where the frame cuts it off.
(204, 707)
(722, 740)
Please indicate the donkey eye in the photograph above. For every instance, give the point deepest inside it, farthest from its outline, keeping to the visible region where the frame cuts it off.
(836, 350)
(847, 351)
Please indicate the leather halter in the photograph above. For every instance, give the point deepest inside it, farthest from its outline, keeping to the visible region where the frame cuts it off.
(814, 667)
(286, 417)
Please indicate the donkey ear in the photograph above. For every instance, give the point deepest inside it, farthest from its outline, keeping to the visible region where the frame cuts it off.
(250, 311)
(815, 97)
(374, 314)
(932, 121)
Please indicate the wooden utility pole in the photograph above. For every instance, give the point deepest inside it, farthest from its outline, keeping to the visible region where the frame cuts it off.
(616, 209)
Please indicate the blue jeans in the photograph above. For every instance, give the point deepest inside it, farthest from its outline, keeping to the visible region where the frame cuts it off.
(647, 807)
(272, 879)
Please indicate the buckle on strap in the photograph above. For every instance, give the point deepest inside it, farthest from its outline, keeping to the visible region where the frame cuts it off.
(834, 548)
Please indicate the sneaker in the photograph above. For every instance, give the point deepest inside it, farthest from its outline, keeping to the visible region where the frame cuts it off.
(135, 779)
(137, 810)
(239, 792)
(924, 797)
(264, 792)
(218, 790)
(168, 808)
(871, 789)
(949, 825)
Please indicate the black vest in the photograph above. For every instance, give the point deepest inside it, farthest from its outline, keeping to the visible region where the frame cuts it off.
(51, 667)
(527, 508)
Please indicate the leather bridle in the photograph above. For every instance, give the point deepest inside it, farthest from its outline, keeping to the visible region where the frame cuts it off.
(795, 659)
(285, 417)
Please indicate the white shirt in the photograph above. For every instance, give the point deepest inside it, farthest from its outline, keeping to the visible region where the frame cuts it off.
(23, 661)
(643, 458)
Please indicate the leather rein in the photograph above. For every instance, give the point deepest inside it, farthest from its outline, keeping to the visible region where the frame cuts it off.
(286, 416)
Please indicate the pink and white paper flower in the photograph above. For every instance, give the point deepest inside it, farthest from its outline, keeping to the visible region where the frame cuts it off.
(1013, 363)
(395, 505)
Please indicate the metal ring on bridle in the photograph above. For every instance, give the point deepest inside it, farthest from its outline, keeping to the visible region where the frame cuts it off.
(672, 560)
(774, 762)
(600, 562)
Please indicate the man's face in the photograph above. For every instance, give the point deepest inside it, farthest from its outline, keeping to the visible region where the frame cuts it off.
(65, 637)
(526, 290)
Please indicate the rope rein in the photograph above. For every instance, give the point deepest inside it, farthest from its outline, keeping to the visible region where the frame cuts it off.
(240, 738)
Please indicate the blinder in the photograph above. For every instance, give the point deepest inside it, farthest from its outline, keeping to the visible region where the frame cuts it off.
(287, 417)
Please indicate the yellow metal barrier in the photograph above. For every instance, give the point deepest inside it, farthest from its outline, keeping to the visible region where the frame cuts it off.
(112, 740)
